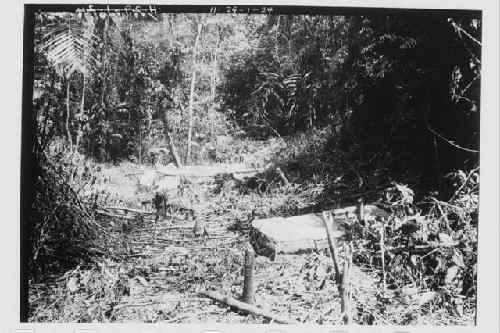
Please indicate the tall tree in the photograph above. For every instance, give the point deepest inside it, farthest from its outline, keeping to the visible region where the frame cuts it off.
(191, 91)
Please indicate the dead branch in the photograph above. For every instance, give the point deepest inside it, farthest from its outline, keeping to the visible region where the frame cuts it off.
(382, 255)
(246, 307)
(461, 30)
(413, 249)
(445, 217)
(126, 209)
(342, 278)
(451, 142)
(125, 217)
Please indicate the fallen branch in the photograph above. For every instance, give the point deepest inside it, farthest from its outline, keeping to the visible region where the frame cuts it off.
(134, 174)
(126, 209)
(207, 172)
(246, 307)
(125, 217)
(413, 249)
(175, 227)
(133, 218)
(143, 254)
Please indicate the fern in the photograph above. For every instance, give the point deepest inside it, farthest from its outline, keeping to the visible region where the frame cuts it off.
(408, 43)
(401, 42)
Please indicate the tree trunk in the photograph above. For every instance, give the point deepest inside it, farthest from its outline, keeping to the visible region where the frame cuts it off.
(213, 81)
(68, 132)
(149, 122)
(79, 131)
(140, 143)
(191, 95)
(168, 135)
(104, 58)
(276, 42)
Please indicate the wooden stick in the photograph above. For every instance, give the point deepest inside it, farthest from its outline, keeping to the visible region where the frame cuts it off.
(342, 278)
(328, 219)
(126, 209)
(101, 212)
(213, 246)
(246, 307)
(248, 285)
(204, 173)
(414, 249)
(445, 217)
(382, 255)
(174, 227)
(345, 288)
(361, 210)
(134, 174)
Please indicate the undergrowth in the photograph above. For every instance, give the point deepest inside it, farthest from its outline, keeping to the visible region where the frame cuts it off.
(430, 245)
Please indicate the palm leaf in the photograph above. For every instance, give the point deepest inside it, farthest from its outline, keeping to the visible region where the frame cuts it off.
(71, 48)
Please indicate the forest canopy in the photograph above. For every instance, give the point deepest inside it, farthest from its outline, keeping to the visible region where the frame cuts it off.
(403, 89)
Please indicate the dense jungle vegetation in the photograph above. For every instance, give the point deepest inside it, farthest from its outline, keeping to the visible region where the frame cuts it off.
(379, 107)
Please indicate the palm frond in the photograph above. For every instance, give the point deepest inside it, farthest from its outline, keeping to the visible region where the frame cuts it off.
(70, 49)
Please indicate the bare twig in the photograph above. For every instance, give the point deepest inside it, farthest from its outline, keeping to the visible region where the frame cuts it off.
(382, 255)
(126, 209)
(445, 217)
(461, 30)
(451, 142)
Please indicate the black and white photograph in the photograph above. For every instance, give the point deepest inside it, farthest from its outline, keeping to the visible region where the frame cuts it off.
(233, 164)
